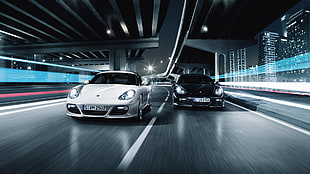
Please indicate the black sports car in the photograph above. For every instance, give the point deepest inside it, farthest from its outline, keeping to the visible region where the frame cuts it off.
(197, 90)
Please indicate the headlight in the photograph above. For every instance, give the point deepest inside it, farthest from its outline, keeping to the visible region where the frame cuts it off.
(218, 91)
(75, 92)
(127, 95)
(180, 90)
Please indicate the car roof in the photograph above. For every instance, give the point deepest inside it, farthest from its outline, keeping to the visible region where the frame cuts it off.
(184, 75)
(121, 72)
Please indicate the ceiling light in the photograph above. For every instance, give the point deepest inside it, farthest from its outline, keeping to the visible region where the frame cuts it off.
(204, 29)
(150, 68)
(10, 34)
(109, 31)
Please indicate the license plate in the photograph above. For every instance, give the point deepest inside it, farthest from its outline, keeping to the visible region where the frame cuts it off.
(94, 107)
(201, 100)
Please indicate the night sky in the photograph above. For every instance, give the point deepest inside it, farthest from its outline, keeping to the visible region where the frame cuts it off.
(252, 51)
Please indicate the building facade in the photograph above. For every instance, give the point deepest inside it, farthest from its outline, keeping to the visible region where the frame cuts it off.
(298, 44)
(237, 65)
(267, 54)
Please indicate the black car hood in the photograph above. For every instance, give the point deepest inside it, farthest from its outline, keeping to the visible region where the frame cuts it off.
(200, 89)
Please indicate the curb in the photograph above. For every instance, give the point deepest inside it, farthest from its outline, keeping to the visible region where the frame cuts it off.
(255, 106)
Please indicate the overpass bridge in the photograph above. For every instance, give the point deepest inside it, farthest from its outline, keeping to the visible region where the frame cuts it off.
(116, 34)
(209, 29)
(108, 32)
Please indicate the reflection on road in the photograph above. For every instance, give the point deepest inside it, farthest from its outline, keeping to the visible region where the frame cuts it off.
(180, 125)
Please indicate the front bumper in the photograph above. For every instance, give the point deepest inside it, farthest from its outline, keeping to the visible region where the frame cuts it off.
(111, 111)
(212, 102)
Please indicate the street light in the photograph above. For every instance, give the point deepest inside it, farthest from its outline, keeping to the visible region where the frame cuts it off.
(204, 29)
(109, 31)
(150, 68)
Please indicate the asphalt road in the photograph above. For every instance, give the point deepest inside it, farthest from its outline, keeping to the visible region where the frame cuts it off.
(42, 139)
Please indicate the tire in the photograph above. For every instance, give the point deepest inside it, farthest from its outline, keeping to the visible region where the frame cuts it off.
(140, 110)
(149, 105)
(219, 109)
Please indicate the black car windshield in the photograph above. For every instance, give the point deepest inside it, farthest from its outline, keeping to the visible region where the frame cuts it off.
(201, 79)
(115, 78)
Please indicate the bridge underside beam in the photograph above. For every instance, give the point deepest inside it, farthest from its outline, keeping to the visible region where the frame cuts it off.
(217, 45)
(82, 46)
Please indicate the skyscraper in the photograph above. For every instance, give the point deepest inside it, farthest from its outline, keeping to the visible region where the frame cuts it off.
(267, 54)
(237, 62)
(298, 42)
(283, 51)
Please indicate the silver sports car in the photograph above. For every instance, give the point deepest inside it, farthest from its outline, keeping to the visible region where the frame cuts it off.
(111, 94)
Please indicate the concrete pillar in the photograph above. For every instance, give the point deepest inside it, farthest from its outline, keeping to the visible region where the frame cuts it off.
(216, 67)
(3, 70)
(118, 59)
(132, 66)
(186, 70)
(225, 67)
(36, 58)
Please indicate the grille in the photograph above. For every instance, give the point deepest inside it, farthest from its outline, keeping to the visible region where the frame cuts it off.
(94, 112)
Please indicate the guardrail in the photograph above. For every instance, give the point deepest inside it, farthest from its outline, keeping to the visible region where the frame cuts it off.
(288, 87)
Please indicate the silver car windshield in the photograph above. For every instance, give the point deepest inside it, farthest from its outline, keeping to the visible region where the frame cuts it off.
(115, 78)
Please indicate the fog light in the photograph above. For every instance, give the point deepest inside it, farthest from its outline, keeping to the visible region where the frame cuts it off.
(218, 99)
(182, 99)
(73, 108)
(119, 110)
(122, 108)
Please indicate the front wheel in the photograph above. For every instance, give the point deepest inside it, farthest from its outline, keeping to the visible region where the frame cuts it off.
(149, 105)
(140, 110)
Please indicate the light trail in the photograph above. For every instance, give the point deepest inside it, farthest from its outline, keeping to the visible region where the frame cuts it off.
(32, 93)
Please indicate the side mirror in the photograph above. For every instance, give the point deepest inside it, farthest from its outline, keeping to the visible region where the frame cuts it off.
(86, 82)
(145, 83)
(217, 83)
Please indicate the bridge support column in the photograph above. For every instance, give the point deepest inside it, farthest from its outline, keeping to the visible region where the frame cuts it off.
(216, 67)
(132, 66)
(225, 66)
(3, 71)
(118, 59)
(220, 66)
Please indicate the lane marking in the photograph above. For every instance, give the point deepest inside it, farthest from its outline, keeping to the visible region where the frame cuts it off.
(32, 93)
(165, 101)
(301, 130)
(31, 108)
(130, 155)
(273, 100)
(161, 107)
(167, 98)
(18, 106)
